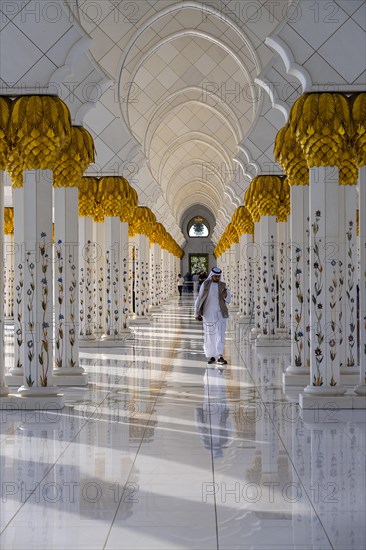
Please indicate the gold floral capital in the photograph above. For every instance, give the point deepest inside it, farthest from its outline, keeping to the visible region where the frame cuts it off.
(74, 159)
(39, 129)
(9, 220)
(5, 109)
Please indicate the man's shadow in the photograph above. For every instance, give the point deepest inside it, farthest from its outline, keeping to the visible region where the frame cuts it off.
(212, 419)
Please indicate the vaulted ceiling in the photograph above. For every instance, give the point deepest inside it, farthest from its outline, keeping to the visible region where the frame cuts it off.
(183, 98)
(184, 84)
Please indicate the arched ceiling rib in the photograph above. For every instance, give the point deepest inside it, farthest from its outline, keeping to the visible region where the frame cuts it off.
(191, 98)
(188, 99)
(186, 93)
(192, 170)
(212, 154)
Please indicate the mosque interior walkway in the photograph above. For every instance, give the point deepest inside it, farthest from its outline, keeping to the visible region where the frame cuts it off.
(162, 451)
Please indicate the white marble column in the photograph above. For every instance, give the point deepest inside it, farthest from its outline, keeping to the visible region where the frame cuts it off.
(14, 376)
(347, 313)
(99, 279)
(269, 335)
(257, 280)
(165, 268)
(141, 285)
(4, 390)
(159, 277)
(172, 282)
(124, 285)
(245, 278)
(233, 256)
(248, 252)
(112, 271)
(37, 321)
(131, 276)
(67, 370)
(9, 276)
(297, 373)
(361, 388)
(87, 259)
(282, 269)
(155, 266)
(324, 276)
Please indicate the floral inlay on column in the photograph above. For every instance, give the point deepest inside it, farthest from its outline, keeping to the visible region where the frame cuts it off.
(308, 332)
(81, 298)
(137, 286)
(350, 299)
(258, 292)
(43, 357)
(265, 298)
(30, 321)
(19, 316)
(115, 287)
(72, 313)
(298, 333)
(89, 296)
(282, 300)
(316, 292)
(153, 280)
(59, 329)
(273, 293)
(100, 300)
(108, 294)
(333, 322)
(125, 285)
(143, 296)
(340, 311)
(131, 281)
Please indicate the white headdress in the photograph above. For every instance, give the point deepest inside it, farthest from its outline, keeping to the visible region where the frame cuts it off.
(214, 271)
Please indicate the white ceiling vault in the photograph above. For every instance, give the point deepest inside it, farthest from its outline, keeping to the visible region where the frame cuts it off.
(183, 98)
(184, 84)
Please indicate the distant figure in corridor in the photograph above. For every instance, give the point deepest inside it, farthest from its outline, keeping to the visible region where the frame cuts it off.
(211, 308)
(195, 279)
(180, 284)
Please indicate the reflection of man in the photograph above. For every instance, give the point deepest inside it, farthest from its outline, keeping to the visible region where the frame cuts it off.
(211, 307)
(212, 417)
(195, 279)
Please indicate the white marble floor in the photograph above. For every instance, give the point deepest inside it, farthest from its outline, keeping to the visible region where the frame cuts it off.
(162, 451)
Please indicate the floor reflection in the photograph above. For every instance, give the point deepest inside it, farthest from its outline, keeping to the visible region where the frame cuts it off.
(160, 451)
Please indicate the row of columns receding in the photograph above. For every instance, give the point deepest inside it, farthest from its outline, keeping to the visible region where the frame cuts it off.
(301, 283)
(70, 282)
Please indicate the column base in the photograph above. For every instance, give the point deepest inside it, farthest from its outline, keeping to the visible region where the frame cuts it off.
(70, 376)
(350, 376)
(16, 402)
(89, 343)
(360, 389)
(293, 378)
(116, 342)
(87, 338)
(72, 380)
(4, 391)
(155, 309)
(9, 321)
(283, 333)
(271, 341)
(325, 391)
(13, 379)
(243, 319)
(120, 337)
(324, 408)
(139, 320)
(234, 309)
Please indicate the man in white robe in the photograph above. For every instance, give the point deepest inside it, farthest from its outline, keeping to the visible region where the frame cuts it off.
(211, 308)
